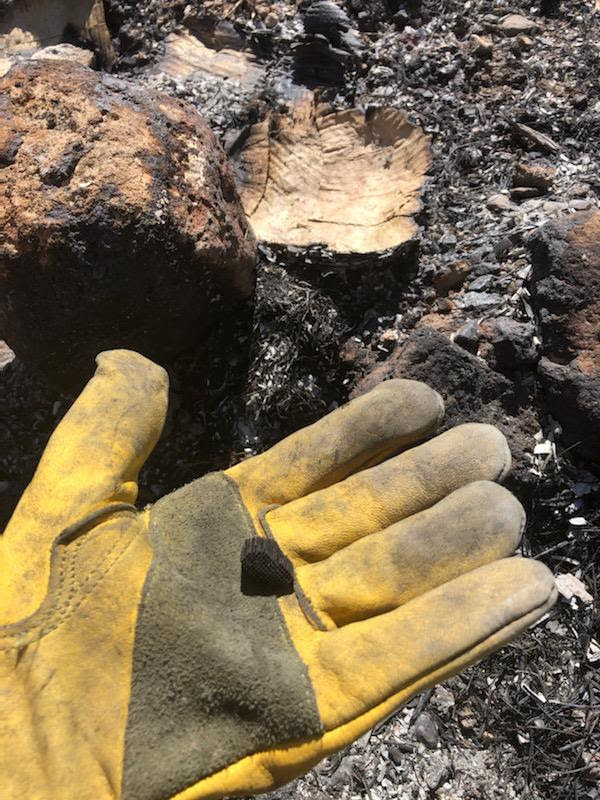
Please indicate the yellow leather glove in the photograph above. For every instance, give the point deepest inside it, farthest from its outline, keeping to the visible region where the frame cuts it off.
(254, 621)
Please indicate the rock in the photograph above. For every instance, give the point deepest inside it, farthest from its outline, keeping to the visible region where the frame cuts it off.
(425, 730)
(452, 275)
(442, 701)
(580, 205)
(443, 322)
(122, 225)
(467, 336)
(565, 294)
(536, 138)
(354, 353)
(515, 24)
(397, 757)
(185, 55)
(501, 247)
(481, 284)
(447, 242)
(482, 46)
(66, 52)
(472, 391)
(508, 343)
(316, 60)
(487, 268)
(592, 766)
(215, 32)
(520, 193)
(479, 301)
(524, 42)
(538, 176)
(262, 9)
(390, 335)
(6, 355)
(574, 400)
(467, 718)
(437, 771)
(470, 158)
(554, 207)
(498, 202)
(325, 18)
(580, 190)
(25, 26)
(329, 45)
(444, 305)
(566, 287)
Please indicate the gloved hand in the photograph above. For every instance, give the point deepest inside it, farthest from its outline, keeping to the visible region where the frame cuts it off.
(256, 620)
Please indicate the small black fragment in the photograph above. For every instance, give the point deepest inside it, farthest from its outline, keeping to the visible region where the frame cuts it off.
(265, 569)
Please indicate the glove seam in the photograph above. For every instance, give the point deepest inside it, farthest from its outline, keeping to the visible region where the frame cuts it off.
(61, 585)
(283, 628)
(310, 612)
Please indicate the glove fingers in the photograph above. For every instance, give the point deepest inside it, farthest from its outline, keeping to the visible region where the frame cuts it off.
(387, 659)
(393, 416)
(473, 526)
(92, 458)
(314, 527)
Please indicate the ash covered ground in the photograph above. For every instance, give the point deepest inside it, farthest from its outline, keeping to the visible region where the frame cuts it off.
(524, 723)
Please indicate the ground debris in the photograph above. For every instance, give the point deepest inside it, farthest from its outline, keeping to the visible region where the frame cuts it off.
(571, 587)
(536, 138)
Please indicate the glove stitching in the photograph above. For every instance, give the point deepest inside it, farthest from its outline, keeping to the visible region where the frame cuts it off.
(62, 611)
(62, 583)
(282, 626)
(59, 612)
(304, 602)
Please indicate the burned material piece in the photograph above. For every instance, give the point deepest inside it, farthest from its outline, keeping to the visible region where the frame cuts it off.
(345, 180)
(27, 25)
(566, 297)
(121, 222)
(329, 44)
(186, 55)
(471, 390)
